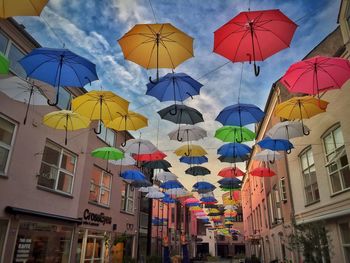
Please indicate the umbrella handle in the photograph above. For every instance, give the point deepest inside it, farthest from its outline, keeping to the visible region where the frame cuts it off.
(178, 136)
(57, 97)
(152, 81)
(189, 95)
(99, 130)
(289, 151)
(256, 69)
(306, 133)
(272, 162)
(173, 112)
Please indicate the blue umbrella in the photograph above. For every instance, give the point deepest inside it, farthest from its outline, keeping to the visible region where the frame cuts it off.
(193, 204)
(174, 87)
(171, 184)
(59, 67)
(225, 181)
(240, 114)
(204, 186)
(210, 199)
(194, 159)
(140, 183)
(168, 200)
(276, 144)
(234, 149)
(133, 175)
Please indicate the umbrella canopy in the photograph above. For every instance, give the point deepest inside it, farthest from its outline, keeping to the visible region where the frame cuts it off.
(157, 155)
(171, 184)
(126, 122)
(232, 159)
(254, 36)
(58, 67)
(191, 200)
(233, 181)
(66, 120)
(188, 133)
(267, 156)
(134, 175)
(262, 172)
(159, 164)
(168, 200)
(125, 161)
(4, 64)
(22, 91)
(204, 186)
(234, 149)
(165, 176)
(156, 46)
(100, 105)
(178, 191)
(21, 8)
(107, 153)
(240, 114)
(197, 170)
(209, 199)
(139, 146)
(194, 159)
(181, 114)
(140, 183)
(230, 172)
(190, 150)
(317, 74)
(174, 87)
(275, 144)
(155, 195)
(287, 130)
(148, 189)
(234, 134)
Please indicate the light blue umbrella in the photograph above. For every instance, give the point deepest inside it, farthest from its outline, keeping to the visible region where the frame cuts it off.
(234, 149)
(133, 175)
(276, 144)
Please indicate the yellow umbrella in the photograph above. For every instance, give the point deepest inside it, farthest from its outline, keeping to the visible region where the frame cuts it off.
(129, 121)
(10, 8)
(66, 120)
(100, 105)
(156, 46)
(300, 108)
(190, 150)
(195, 208)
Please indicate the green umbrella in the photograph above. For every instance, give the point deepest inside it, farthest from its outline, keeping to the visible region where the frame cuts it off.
(4, 64)
(108, 153)
(234, 134)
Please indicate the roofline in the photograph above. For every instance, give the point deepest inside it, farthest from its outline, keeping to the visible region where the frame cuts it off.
(21, 28)
(340, 7)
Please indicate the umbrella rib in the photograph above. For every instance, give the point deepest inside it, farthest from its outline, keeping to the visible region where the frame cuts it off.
(257, 41)
(273, 33)
(42, 63)
(325, 71)
(150, 57)
(301, 75)
(231, 33)
(171, 60)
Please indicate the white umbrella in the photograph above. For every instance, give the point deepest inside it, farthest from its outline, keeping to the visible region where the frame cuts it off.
(139, 146)
(177, 192)
(267, 155)
(155, 195)
(165, 176)
(287, 130)
(188, 133)
(22, 91)
(126, 161)
(153, 188)
(233, 207)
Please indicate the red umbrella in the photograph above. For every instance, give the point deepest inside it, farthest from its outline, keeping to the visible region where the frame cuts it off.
(262, 172)
(317, 74)
(254, 36)
(229, 172)
(147, 157)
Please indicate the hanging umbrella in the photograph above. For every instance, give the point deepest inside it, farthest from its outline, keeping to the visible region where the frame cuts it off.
(140, 183)
(209, 199)
(107, 153)
(190, 150)
(300, 108)
(254, 36)
(21, 8)
(233, 159)
(125, 122)
(231, 181)
(165, 176)
(262, 172)
(139, 146)
(133, 175)
(147, 157)
(191, 200)
(177, 191)
(234, 134)
(203, 187)
(160, 164)
(230, 172)
(317, 74)
(171, 184)
(267, 156)
(276, 144)
(188, 133)
(100, 105)
(168, 200)
(155, 195)
(156, 46)
(148, 189)
(125, 161)
(23, 91)
(58, 67)
(4, 64)
(181, 114)
(287, 130)
(194, 159)
(66, 120)
(230, 207)
(196, 209)
(234, 149)
(197, 170)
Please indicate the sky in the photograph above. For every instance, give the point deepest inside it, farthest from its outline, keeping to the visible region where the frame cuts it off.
(91, 29)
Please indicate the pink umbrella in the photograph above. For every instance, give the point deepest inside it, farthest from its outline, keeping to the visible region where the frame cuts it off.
(317, 74)
(191, 200)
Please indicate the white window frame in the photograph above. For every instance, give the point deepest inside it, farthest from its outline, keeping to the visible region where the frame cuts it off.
(342, 241)
(101, 187)
(283, 190)
(103, 135)
(126, 199)
(59, 169)
(10, 148)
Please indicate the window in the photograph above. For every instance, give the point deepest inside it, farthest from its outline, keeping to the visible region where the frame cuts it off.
(57, 169)
(64, 99)
(3, 234)
(283, 191)
(337, 160)
(345, 234)
(7, 131)
(309, 174)
(127, 199)
(107, 135)
(100, 187)
(3, 43)
(14, 55)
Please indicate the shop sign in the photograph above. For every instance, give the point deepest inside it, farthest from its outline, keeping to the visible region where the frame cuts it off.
(23, 249)
(94, 219)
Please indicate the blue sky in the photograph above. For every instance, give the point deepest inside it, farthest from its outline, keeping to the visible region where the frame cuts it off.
(91, 28)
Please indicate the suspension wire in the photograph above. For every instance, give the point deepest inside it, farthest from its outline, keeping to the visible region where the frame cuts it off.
(240, 83)
(53, 31)
(154, 14)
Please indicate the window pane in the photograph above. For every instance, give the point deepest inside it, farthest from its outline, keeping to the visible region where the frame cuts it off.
(316, 192)
(14, 56)
(346, 177)
(338, 137)
(68, 162)
(308, 193)
(343, 160)
(96, 175)
(345, 233)
(3, 230)
(110, 137)
(47, 176)
(4, 153)
(51, 155)
(64, 182)
(130, 192)
(336, 186)
(104, 197)
(106, 182)
(6, 131)
(310, 158)
(332, 168)
(304, 164)
(64, 99)
(94, 193)
(3, 43)
(307, 180)
(103, 133)
(329, 144)
(130, 207)
(89, 252)
(313, 178)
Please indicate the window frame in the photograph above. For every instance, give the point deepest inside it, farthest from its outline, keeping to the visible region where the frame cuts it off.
(101, 187)
(126, 198)
(6, 146)
(283, 189)
(62, 150)
(105, 137)
(343, 245)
